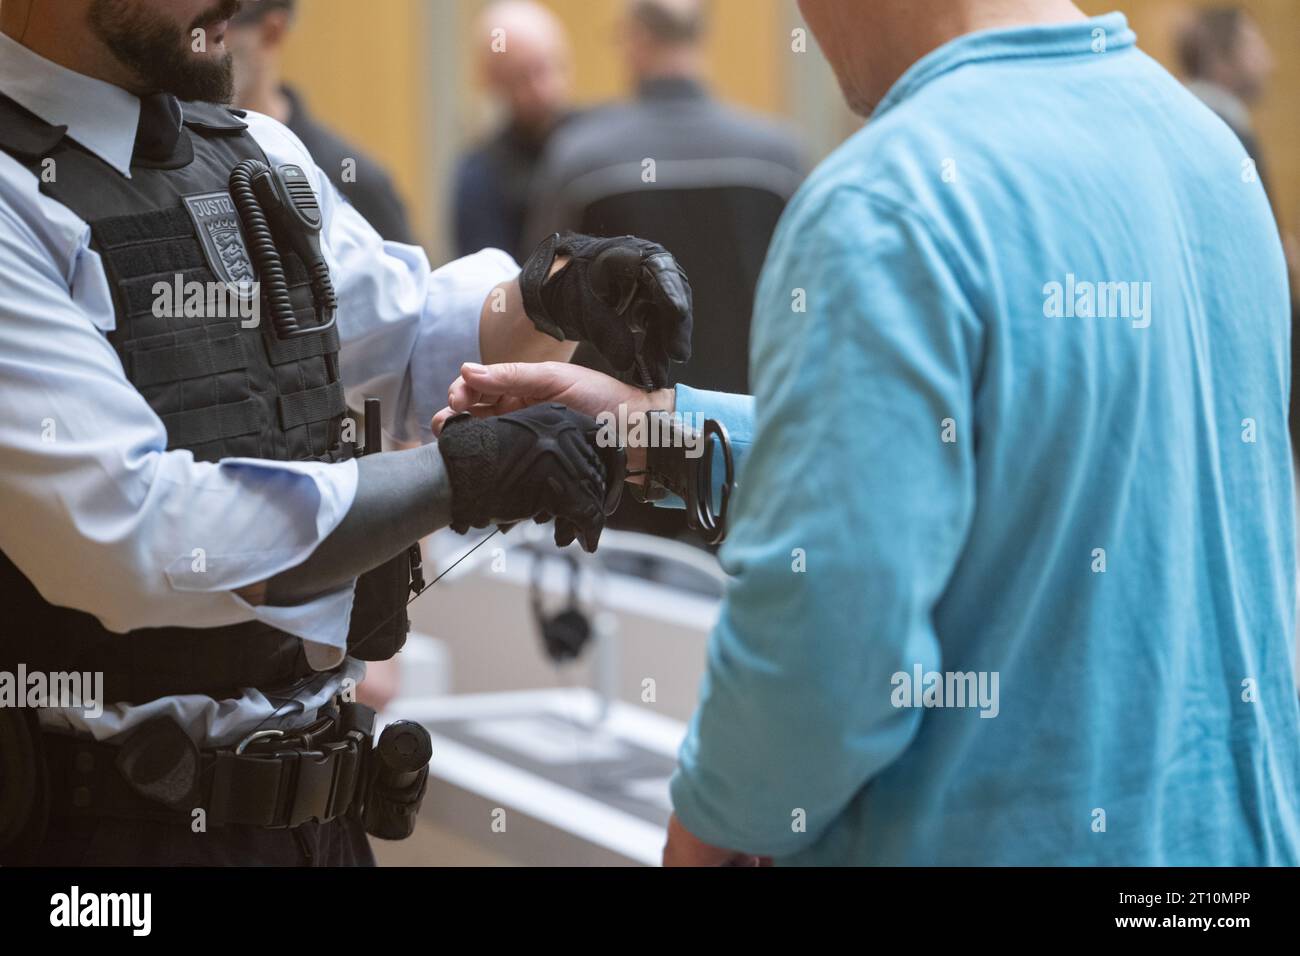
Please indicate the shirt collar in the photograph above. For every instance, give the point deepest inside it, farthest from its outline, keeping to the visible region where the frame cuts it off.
(1096, 36)
(671, 88)
(100, 116)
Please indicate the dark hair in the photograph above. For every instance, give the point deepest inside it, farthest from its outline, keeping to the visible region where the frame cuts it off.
(667, 24)
(1208, 36)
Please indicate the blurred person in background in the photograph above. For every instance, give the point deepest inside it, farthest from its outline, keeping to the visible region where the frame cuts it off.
(526, 65)
(676, 165)
(1227, 64)
(256, 40)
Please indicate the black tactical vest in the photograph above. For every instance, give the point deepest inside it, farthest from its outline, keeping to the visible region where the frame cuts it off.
(222, 390)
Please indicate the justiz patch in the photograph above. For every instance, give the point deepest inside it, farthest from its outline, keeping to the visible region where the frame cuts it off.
(217, 222)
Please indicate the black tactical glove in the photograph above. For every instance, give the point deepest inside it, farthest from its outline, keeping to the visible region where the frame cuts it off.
(625, 296)
(539, 462)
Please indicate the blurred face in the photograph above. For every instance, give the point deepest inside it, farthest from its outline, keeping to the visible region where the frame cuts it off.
(248, 46)
(532, 79)
(1252, 61)
(171, 46)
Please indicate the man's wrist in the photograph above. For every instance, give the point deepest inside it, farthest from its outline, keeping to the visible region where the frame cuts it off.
(507, 334)
(660, 400)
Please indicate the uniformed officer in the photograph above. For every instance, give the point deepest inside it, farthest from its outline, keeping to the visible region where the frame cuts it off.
(186, 307)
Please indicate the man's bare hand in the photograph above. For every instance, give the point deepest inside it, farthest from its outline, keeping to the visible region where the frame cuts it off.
(685, 849)
(486, 390)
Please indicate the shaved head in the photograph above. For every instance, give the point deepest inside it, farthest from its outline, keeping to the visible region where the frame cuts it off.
(525, 61)
(522, 19)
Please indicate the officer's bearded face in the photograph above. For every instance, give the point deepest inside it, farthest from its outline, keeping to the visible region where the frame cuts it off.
(173, 46)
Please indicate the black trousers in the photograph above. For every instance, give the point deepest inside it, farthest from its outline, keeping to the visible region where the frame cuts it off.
(108, 842)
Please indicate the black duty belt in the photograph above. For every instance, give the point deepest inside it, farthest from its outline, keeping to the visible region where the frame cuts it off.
(271, 779)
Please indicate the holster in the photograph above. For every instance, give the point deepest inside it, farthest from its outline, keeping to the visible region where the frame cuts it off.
(379, 622)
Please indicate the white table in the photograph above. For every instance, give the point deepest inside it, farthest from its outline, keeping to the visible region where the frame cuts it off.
(534, 779)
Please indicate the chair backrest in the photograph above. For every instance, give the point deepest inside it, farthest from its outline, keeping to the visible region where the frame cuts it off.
(720, 236)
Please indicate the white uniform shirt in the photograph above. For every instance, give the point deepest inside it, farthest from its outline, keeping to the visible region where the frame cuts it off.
(96, 512)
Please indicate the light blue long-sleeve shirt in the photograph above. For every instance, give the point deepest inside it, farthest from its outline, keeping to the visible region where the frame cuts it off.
(1021, 366)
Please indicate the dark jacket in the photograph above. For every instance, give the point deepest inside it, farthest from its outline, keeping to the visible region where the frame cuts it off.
(370, 190)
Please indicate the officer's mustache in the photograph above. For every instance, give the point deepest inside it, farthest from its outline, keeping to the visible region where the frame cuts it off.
(226, 10)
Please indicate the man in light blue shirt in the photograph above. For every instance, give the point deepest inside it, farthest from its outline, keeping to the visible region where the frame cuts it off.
(1012, 562)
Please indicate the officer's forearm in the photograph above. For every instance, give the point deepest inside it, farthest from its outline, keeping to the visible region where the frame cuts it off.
(401, 497)
(506, 334)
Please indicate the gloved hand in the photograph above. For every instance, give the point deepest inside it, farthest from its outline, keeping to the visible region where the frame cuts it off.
(609, 293)
(539, 462)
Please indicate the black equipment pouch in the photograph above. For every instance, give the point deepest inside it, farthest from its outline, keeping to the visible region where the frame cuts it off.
(381, 596)
(397, 778)
(668, 471)
(382, 593)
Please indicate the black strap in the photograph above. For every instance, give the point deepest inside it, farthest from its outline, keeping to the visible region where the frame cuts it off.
(285, 788)
(202, 425)
(283, 351)
(212, 118)
(25, 134)
(313, 405)
(185, 362)
(157, 129)
(149, 226)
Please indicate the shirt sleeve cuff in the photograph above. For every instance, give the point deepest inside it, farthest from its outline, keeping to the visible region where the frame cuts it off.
(720, 826)
(311, 499)
(702, 819)
(449, 334)
(735, 412)
(322, 623)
